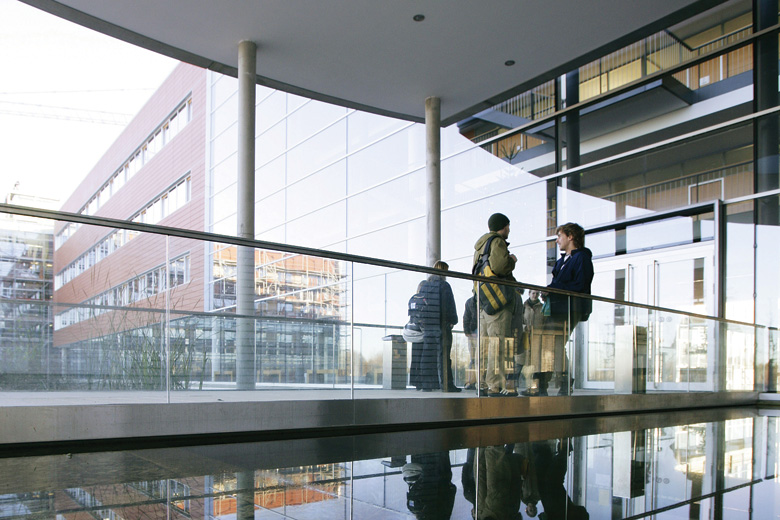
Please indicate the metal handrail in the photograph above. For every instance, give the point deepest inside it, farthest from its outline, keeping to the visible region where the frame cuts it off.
(346, 257)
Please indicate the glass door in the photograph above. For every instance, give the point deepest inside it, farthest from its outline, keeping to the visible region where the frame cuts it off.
(680, 278)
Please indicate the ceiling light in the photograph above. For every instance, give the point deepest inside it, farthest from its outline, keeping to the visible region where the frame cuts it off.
(509, 63)
(418, 17)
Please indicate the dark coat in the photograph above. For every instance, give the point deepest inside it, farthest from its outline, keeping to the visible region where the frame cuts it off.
(441, 312)
(574, 275)
(427, 367)
(470, 323)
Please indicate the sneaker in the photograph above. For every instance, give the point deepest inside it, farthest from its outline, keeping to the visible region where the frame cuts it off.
(509, 393)
(470, 386)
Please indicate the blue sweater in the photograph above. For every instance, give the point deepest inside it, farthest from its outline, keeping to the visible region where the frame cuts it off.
(576, 275)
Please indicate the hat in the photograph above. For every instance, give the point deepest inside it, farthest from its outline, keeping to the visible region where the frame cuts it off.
(497, 222)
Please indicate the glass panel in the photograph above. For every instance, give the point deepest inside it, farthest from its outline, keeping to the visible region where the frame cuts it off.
(321, 228)
(740, 261)
(365, 128)
(310, 119)
(317, 152)
(270, 144)
(767, 275)
(390, 204)
(321, 189)
(123, 310)
(270, 109)
(401, 153)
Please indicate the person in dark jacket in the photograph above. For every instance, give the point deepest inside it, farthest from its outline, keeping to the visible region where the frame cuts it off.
(515, 352)
(470, 330)
(431, 494)
(572, 272)
(437, 322)
(550, 464)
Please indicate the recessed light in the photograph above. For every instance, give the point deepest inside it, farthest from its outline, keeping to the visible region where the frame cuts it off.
(509, 63)
(418, 17)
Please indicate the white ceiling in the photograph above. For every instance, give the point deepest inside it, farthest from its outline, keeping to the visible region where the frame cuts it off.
(372, 55)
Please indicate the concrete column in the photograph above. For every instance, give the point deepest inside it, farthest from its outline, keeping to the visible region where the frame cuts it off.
(245, 281)
(433, 178)
(245, 495)
(433, 196)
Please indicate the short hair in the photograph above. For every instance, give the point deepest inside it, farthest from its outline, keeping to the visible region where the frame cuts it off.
(575, 231)
(441, 264)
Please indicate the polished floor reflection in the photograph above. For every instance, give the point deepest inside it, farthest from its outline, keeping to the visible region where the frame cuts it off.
(709, 464)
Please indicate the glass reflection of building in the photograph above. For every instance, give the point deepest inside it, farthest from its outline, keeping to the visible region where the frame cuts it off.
(277, 489)
(26, 256)
(302, 304)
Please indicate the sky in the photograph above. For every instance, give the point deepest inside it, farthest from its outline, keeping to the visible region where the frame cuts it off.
(66, 93)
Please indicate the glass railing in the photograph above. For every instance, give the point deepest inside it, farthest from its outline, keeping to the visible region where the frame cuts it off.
(157, 316)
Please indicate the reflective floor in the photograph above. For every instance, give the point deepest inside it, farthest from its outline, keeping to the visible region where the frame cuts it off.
(697, 464)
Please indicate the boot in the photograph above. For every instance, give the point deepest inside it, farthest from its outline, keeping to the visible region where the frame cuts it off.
(533, 390)
(565, 385)
(544, 382)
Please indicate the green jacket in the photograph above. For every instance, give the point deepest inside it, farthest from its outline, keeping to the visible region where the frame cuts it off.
(500, 261)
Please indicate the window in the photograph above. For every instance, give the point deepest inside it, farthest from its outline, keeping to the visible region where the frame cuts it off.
(148, 149)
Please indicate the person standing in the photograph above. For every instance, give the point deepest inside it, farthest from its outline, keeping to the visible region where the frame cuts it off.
(470, 329)
(495, 328)
(516, 352)
(532, 340)
(572, 272)
(437, 322)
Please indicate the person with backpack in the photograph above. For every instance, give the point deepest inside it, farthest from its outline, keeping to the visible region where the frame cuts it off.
(496, 303)
(435, 312)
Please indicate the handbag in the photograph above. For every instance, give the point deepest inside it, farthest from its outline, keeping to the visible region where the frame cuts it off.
(412, 333)
(492, 296)
(546, 308)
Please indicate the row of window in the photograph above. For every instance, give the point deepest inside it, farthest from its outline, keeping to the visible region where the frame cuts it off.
(136, 289)
(154, 212)
(162, 135)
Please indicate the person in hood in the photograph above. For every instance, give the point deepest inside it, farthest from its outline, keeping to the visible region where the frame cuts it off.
(495, 330)
(572, 272)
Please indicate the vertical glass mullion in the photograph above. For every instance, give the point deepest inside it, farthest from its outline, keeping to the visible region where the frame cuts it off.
(352, 331)
(167, 327)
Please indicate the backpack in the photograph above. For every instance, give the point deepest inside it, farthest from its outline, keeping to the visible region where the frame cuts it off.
(418, 307)
(492, 296)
